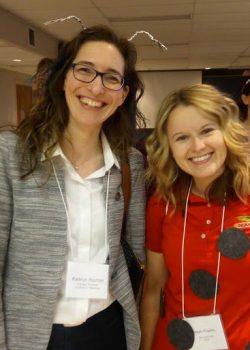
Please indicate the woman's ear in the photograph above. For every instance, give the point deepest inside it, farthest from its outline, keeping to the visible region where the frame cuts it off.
(125, 92)
(245, 99)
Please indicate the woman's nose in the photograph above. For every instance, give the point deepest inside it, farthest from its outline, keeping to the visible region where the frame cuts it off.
(197, 143)
(96, 86)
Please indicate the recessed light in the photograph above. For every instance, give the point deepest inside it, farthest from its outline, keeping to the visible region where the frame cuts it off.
(16, 60)
(207, 67)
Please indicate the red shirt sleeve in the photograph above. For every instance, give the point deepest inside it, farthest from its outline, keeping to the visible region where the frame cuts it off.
(155, 214)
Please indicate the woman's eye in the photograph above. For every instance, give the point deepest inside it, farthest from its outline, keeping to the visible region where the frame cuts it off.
(181, 138)
(85, 70)
(112, 78)
(207, 131)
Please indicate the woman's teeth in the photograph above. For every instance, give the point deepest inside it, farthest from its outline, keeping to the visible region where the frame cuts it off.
(201, 158)
(91, 103)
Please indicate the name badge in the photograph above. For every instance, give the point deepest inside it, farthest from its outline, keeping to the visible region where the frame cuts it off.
(87, 280)
(208, 333)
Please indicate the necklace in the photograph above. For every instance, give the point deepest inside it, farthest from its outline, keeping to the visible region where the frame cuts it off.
(182, 254)
(76, 166)
(93, 163)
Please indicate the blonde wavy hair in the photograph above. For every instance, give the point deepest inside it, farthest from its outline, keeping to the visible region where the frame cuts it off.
(171, 182)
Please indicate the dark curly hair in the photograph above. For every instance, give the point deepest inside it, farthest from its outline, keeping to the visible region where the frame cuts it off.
(45, 124)
(243, 108)
(246, 88)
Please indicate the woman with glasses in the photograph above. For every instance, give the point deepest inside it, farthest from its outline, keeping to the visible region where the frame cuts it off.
(65, 282)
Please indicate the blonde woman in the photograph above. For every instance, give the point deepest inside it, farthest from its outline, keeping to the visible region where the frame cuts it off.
(198, 226)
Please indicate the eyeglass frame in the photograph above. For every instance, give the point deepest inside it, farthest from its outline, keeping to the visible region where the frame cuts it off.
(98, 73)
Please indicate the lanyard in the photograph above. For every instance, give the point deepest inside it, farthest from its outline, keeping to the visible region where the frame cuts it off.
(183, 251)
(67, 213)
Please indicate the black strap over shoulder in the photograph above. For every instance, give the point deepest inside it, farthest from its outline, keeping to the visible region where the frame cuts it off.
(126, 185)
(135, 267)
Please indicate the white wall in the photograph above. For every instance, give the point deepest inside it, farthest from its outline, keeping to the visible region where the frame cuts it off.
(8, 107)
(16, 30)
(158, 85)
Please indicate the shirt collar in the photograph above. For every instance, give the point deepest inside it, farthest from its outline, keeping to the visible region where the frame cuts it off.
(110, 158)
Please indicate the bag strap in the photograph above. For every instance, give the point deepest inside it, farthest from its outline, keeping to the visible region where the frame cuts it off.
(126, 188)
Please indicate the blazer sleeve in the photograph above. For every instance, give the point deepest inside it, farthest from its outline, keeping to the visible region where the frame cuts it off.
(5, 220)
(135, 220)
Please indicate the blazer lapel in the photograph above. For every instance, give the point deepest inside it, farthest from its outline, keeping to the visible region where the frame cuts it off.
(114, 213)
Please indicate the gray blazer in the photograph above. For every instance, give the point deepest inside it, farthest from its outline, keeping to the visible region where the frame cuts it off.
(33, 245)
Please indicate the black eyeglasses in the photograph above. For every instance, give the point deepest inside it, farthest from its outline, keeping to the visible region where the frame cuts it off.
(87, 74)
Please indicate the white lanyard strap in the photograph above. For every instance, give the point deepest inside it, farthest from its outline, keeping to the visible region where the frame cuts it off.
(182, 255)
(218, 264)
(182, 252)
(65, 208)
(67, 214)
(106, 211)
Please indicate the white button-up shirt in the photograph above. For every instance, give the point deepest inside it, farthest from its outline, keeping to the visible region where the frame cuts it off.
(87, 236)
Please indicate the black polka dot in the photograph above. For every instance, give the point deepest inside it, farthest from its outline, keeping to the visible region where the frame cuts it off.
(180, 334)
(248, 346)
(233, 243)
(203, 284)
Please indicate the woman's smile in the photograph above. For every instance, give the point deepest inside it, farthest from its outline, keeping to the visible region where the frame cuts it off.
(86, 101)
(203, 159)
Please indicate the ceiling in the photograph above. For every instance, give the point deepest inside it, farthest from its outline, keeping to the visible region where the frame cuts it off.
(198, 33)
